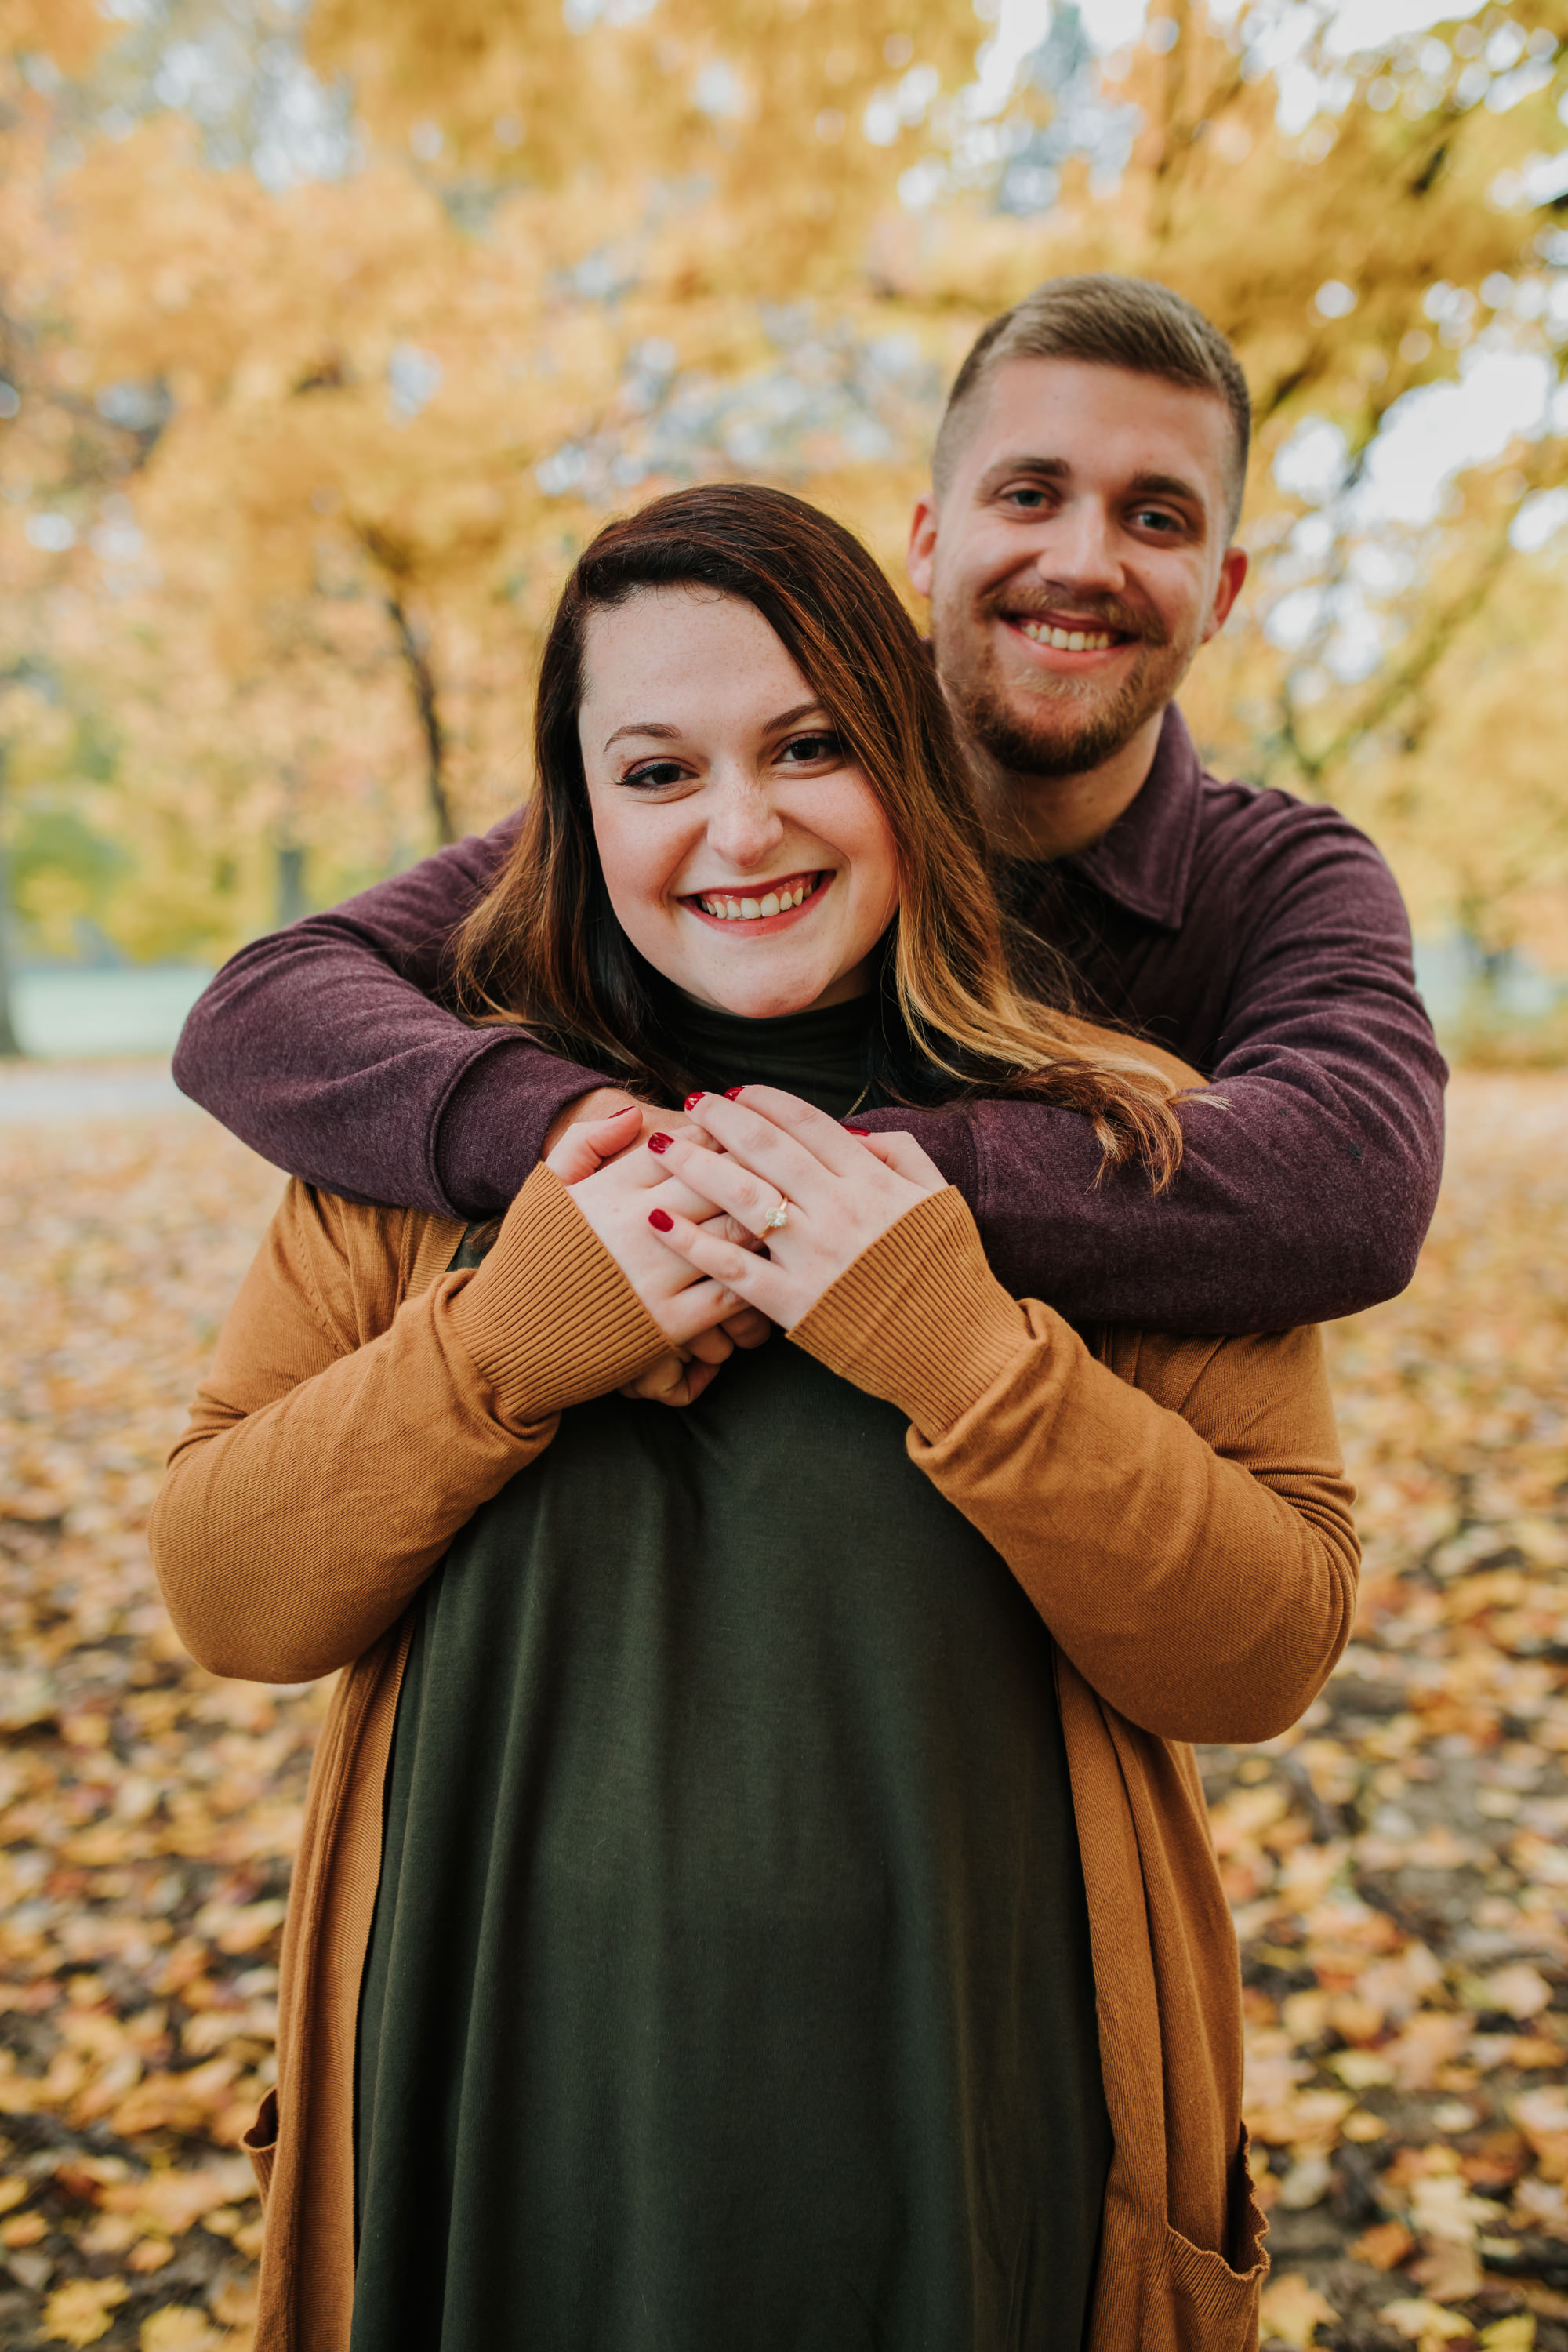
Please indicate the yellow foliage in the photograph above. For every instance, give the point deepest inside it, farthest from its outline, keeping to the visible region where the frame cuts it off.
(82, 2311)
(1514, 2334)
(1292, 2311)
(178, 2328)
(1428, 2325)
(583, 254)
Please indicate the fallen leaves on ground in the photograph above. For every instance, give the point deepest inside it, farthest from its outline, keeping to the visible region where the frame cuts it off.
(1398, 1863)
(150, 1809)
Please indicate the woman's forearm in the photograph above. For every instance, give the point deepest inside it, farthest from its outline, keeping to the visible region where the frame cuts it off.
(288, 1540)
(319, 1480)
(1187, 1540)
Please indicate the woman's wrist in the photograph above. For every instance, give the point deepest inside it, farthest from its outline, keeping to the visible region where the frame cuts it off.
(919, 1318)
(548, 1319)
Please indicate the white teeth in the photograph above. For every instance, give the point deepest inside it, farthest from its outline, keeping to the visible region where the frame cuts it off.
(726, 909)
(1068, 641)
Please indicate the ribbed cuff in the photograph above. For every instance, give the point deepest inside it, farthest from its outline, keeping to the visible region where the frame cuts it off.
(548, 1319)
(946, 1135)
(492, 1126)
(919, 1318)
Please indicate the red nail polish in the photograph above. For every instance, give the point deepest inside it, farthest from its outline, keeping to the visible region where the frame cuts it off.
(693, 1098)
(730, 1092)
(854, 1130)
(660, 1142)
(661, 1221)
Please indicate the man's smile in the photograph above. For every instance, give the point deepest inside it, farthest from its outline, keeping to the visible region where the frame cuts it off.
(1084, 640)
(1067, 640)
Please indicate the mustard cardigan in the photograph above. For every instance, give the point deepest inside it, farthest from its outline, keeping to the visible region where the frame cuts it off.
(1175, 1510)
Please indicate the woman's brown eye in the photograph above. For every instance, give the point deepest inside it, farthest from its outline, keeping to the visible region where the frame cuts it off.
(806, 748)
(659, 772)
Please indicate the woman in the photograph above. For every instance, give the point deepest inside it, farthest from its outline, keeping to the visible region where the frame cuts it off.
(755, 1890)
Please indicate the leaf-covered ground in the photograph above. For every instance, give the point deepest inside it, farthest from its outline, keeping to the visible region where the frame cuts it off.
(1398, 1864)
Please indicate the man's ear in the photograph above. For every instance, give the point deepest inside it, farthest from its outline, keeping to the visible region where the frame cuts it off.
(1233, 570)
(922, 542)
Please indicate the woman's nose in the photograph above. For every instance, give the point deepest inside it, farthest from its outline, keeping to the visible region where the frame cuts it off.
(743, 826)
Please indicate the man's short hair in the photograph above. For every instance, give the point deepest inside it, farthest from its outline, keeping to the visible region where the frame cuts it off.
(1108, 322)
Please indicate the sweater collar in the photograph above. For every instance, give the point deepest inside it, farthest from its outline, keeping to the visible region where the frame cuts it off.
(1145, 863)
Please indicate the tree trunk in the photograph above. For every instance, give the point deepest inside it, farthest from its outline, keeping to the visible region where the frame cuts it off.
(292, 901)
(411, 645)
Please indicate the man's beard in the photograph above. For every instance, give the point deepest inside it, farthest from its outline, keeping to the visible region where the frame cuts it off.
(998, 722)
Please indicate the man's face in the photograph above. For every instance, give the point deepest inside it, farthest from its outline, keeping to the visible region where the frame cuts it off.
(1076, 559)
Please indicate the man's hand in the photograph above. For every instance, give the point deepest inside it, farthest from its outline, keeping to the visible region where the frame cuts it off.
(584, 1143)
(600, 1103)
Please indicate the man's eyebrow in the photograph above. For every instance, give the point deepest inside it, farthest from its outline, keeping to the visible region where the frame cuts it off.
(1167, 485)
(1054, 469)
(666, 734)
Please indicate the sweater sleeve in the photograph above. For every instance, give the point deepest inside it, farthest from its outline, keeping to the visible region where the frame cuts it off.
(325, 1047)
(1309, 1174)
(327, 1466)
(1179, 1516)
(1310, 1169)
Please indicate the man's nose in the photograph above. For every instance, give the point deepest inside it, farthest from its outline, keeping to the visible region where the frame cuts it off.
(1080, 549)
(743, 826)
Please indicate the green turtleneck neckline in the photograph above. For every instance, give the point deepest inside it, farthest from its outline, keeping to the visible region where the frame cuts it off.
(821, 1054)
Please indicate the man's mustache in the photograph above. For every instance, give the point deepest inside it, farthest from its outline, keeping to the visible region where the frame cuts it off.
(1087, 612)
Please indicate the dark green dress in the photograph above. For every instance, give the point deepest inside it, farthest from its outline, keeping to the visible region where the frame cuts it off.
(730, 1986)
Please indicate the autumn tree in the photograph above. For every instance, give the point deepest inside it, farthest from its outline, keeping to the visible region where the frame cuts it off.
(414, 297)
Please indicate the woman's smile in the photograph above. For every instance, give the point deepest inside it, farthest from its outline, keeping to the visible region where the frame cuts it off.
(759, 909)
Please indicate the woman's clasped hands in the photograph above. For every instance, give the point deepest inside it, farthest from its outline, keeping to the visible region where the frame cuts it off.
(612, 1182)
(693, 1218)
(817, 1194)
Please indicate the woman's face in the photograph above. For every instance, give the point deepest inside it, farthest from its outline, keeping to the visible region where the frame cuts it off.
(745, 853)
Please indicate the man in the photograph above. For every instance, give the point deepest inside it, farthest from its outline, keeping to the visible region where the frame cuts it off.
(1075, 547)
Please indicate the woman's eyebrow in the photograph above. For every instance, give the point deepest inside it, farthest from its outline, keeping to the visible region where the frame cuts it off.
(645, 727)
(672, 734)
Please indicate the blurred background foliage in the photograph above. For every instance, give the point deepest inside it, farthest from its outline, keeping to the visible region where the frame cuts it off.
(329, 331)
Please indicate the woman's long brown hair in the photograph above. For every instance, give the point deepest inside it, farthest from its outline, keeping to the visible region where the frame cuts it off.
(543, 948)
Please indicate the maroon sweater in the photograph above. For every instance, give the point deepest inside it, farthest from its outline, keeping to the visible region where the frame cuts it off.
(1261, 939)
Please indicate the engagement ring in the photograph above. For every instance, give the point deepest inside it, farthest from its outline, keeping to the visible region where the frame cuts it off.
(776, 1218)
